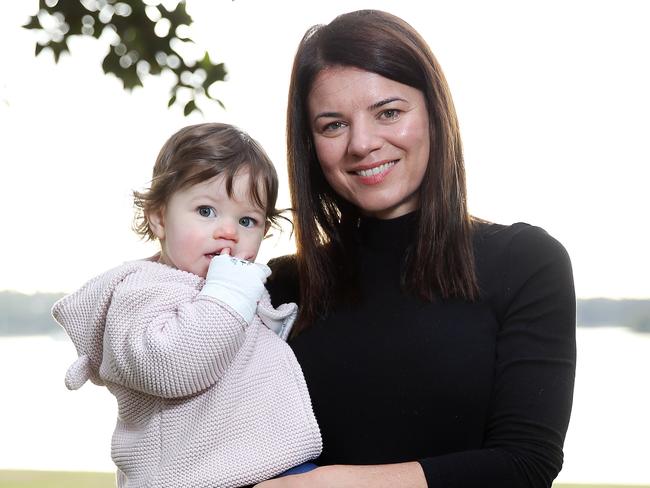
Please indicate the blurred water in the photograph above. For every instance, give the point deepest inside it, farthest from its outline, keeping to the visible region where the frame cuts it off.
(45, 426)
(42, 424)
(609, 436)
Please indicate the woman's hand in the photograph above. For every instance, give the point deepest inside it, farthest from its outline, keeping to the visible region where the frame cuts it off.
(403, 475)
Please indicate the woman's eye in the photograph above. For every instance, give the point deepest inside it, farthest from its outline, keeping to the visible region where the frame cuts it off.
(333, 126)
(205, 211)
(390, 114)
(247, 222)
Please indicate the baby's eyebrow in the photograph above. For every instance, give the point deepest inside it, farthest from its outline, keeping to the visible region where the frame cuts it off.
(202, 196)
(255, 210)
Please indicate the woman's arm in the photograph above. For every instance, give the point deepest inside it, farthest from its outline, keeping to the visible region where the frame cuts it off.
(532, 391)
(401, 475)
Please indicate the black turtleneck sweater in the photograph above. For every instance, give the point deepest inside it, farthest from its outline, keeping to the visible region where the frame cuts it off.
(479, 393)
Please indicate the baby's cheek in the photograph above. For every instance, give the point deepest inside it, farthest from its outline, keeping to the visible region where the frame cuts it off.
(195, 241)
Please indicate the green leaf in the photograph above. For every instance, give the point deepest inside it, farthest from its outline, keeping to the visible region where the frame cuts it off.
(129, 77)
(205, 62)
(172, 101)
(214, 73)
(131, 81)
(59, 48)
(39, 48)
(111, 63)
(178, 16)
(33, 23)
(97, 30)
(189, 108)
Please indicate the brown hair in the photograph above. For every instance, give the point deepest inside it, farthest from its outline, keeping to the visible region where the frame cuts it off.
(198, 153)
(441, 262)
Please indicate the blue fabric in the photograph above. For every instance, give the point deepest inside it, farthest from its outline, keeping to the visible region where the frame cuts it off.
(301, 468)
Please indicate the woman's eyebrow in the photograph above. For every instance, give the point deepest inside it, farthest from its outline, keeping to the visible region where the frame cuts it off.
(374, 106)
(385, 101)
(332, 115)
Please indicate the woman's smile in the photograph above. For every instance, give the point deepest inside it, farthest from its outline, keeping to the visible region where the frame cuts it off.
(376, 173)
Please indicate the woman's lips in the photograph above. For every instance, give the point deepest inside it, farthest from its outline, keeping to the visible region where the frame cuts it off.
(376, 174)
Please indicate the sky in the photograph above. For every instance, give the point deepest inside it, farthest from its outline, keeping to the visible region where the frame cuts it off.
(551, 96)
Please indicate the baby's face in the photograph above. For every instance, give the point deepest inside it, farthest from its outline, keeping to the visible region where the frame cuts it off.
(202, 221)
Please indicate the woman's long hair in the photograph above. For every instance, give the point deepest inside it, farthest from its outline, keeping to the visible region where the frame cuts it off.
(441, 262)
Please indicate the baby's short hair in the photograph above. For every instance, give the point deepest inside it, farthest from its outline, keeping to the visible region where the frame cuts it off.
(198, 153)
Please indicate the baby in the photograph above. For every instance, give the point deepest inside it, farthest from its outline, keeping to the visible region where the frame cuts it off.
(208, 392)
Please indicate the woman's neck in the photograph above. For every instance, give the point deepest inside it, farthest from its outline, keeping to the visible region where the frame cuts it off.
(389, 234)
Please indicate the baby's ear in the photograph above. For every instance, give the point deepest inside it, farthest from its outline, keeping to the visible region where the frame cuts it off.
(156, 223)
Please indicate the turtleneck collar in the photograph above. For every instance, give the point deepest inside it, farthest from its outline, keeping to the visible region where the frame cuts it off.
(388, 234)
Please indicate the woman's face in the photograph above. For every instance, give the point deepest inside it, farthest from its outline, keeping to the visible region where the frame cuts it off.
(371, 136)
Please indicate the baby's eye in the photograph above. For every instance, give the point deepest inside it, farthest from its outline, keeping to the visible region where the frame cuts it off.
(205, 211)
(390, 114)
(247, 222)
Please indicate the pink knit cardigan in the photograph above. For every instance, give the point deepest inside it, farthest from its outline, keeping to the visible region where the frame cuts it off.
(203, 399)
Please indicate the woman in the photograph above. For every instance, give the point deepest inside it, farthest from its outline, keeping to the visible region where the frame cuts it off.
(439, 349)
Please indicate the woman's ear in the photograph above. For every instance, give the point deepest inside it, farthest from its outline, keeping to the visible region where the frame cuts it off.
(157, 223)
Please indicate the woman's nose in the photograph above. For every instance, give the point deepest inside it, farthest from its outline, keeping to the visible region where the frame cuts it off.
(226, 230)
(364, 139)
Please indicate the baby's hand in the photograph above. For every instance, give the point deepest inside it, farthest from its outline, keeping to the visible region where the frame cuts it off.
(237, 282)
(241, 255)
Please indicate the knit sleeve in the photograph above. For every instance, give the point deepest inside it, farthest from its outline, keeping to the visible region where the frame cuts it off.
(534, 374)
(163, 338)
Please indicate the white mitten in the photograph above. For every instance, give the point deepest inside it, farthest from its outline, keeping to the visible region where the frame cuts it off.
(236, 282)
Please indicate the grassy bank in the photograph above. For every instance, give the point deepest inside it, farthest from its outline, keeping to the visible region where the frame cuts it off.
(55, 479)
(62, 479)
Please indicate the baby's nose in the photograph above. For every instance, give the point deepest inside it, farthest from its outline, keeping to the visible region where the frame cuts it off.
(226, 230)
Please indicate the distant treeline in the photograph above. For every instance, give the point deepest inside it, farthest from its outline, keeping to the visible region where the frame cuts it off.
(27, 314)
(596, 312)
(30, 314)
